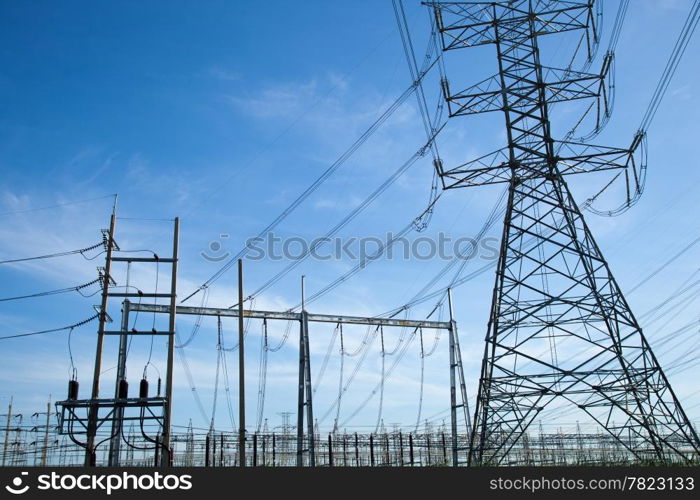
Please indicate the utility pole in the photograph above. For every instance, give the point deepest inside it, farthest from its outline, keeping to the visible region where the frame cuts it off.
(304, 388)
(93, 410)
(307, 370)
(453, 384)
(241, 368)
(7, 433)
(44, 451)
(168, 409)
(72, 421)
(115, 442)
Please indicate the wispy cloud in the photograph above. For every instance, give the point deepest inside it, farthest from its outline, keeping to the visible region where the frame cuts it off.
(224, 74)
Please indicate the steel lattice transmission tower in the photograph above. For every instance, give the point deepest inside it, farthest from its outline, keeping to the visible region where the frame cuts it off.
(553, 286)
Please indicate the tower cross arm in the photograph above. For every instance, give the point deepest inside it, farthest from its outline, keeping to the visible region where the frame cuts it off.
(469, 24)
(573, 158)
(576, 157)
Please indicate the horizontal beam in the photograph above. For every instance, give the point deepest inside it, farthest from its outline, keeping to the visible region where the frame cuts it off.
(361, 320)
(111, 402)
(136, 332)
(142, 259)
(292, 316)
(140, 295)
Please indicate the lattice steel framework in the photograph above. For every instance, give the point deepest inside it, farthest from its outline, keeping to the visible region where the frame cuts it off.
(553, 289)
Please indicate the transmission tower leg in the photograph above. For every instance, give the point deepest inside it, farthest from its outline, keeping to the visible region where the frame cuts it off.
(562, 286)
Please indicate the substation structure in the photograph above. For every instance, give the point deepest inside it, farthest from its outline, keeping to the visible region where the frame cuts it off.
(34, 440)
(307, 438)
(553, 287)
(85, 421)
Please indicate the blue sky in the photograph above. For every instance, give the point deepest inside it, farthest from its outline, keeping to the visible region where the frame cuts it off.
(222, 113)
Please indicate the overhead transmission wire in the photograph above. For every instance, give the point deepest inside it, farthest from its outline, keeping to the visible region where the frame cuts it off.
(246, 328)
(77, 288)
(153, 326)
(190, 380)
(667, 74)
(367, 260)
(422, 295)
(321, 179)
(227, 386)
(671, 336)
(388, 373)
(57, 205)
(456, 281)
(285, 336)
(618, 24)
(216, 378)
(608, 68)
(363, 347)
(423, 355)
(343, 223)
(326, 358)
(328, 172)
(262, 375)
(340, 380)
(382, 380)
(342, 389)
(197, 323)
(431, 129)
(664, 265)
(73, 369)
(420, 222)
(421, 379)
(52, 330)
(80, 251)
(362, 350)
(672, 65)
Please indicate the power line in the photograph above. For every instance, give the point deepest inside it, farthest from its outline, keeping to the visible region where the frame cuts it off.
(57, 205)
(686, 34)
(322, 178)
(77, 288)
(617, 27)
(58, 254)
(53, 330)
(665, 264)
(653, 106)
(333, 231)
